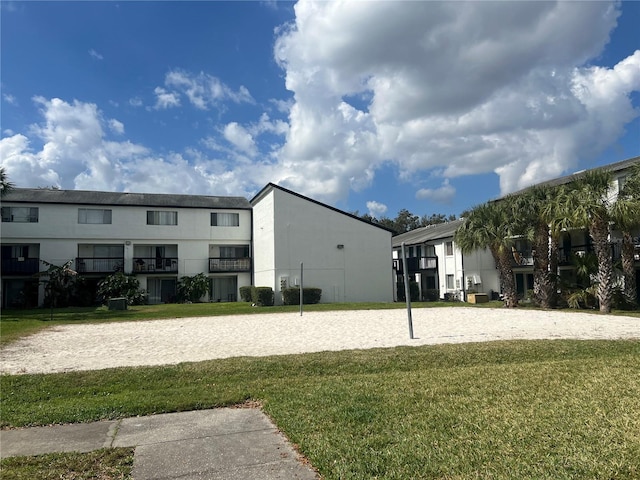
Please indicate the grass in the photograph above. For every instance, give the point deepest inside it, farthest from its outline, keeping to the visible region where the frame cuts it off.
(106, 464)
(500, 410)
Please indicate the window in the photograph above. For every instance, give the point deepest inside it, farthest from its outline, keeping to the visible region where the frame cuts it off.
(449, 247)
(20, 214)
(225, 219)
(234, 252)
(155, 217)
(94, 216)
(449, 282)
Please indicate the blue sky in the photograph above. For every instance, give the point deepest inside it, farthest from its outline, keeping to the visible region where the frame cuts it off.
(368, 106)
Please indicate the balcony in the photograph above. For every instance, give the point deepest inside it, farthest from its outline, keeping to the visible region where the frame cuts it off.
(565, 255)
(99, 265)
(20, 266)
(229, 264)
(155, 265)
(521, 257)
(416, 264)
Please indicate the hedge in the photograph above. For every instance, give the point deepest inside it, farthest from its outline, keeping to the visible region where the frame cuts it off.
(262, 296)
(246, 294)
(291, 296)
(414, 291)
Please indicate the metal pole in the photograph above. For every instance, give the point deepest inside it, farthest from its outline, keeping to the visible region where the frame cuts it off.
(301, 281)
(407, 291)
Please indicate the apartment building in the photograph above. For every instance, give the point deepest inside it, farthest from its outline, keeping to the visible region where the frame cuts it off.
(161, 238)
(438, 266)
(158, 238)
(344, 255)
(576, 243)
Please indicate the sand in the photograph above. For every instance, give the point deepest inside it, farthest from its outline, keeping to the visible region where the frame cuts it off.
(157, 342)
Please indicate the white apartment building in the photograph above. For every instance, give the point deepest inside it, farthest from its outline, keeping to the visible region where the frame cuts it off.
(346, 256)
(158, 238)
(436, 264)
(161, 238)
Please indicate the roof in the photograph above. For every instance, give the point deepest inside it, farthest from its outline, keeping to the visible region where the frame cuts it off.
(428, 233)
(613, 167)
(272, 186)
(86, 197)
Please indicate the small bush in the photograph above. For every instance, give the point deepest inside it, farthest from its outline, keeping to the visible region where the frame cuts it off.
(262, 296)
(431, 295)
(121, 285)
(246, 294)
(192, 289)
(291, 296)
(414, 292)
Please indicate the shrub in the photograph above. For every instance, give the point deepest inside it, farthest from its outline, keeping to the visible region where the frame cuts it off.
(192, 289)
(431, 295)
(121, 285)
(246, 294)
(291, 296)
(414, 291)
(262, 296)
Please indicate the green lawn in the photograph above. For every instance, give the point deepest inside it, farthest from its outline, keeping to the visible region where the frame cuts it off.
(500, 410)
(106, 464)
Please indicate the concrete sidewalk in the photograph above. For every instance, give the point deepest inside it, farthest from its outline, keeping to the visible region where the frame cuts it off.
(223, 443)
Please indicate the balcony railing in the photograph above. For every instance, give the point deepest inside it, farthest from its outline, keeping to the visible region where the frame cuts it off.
(229, 264)
(565, 256)
(20, 266)
(521, 258)
(155, 265)
(99, 265)
(416, 264)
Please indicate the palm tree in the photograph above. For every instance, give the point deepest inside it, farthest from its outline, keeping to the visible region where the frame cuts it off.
(590, 207)
(5, 185)
(625, 212)
(536, 213)
(488, 226)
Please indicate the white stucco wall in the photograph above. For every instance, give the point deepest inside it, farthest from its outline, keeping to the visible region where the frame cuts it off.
(303, 231)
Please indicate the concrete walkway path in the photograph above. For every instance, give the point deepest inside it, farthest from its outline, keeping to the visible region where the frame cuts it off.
(225, 443)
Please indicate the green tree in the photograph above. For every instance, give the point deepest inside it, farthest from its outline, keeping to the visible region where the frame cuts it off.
(59, 283)
(119, 285)
(625, 213)
(532, 223)
(590, 207)
(192, 289)
(5, 185)
(490, 226)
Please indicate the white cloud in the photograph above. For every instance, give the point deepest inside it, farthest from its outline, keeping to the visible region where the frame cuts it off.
(116, 126)
(203, 90)
(166, 99)
(135, 102)
(376, 209)
(95, 54)
(10, 99)
(73, 153)
(443, 194)
(240, 138)
(459, 87)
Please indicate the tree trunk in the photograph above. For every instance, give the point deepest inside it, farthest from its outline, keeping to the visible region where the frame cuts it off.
(628, 269)
(542, 288)
(554, 248)
(599, 230)
(507, 279)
